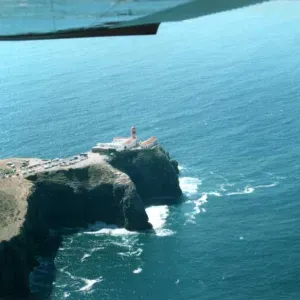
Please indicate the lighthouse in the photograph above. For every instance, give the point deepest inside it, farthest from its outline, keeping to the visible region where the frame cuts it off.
(133, 132)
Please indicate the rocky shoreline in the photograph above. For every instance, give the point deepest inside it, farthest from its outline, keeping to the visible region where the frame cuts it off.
(113, 188)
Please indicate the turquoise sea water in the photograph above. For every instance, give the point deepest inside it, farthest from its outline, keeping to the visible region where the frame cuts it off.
(222, 94)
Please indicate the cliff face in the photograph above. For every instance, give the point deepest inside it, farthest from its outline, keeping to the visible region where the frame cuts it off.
(154, 174)
(76, 197)
(115, 191)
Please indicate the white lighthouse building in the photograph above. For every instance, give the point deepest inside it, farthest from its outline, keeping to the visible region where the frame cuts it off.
(133, 132)
(126, 143)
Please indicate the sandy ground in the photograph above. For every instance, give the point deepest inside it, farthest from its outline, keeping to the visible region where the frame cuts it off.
(12, 209)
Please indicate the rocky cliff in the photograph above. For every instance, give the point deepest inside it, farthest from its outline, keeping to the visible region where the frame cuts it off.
(114, 189)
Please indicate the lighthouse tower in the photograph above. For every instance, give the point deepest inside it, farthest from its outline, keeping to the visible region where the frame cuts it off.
(133, 132)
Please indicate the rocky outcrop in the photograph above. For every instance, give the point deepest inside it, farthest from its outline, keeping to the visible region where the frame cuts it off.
(114, 190)
(154, 174)
(76, 197)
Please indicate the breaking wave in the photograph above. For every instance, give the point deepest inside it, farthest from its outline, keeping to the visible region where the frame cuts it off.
(101, 228)
(157, 217)
(180, 168)
(189, 185)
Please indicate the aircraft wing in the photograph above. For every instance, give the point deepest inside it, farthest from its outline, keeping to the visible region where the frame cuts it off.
(55, 19)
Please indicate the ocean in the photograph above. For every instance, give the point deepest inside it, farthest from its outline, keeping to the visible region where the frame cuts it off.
(221, 94)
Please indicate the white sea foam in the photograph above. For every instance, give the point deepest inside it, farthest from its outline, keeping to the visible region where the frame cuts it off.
(217, 194)
(164, 232)
(70, 275)
(137, 271)
(246, 190)
(85, 256)
(250, 190)
(88, 283)
(97, 249)
(103, 229)
(135, 253)
(180, 168)
(130, 247)
(191, 216)
(201, 200)
(189, 185)
(114, 231)
(223, 187)
(123, 243)
(266, 186)
(60, 285)
(157, 217)
(66, 294)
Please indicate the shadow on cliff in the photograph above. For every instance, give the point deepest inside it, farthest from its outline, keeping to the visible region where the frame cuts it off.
(44, 275)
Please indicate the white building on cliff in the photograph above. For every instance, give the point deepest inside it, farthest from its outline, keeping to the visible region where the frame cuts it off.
(126, 143)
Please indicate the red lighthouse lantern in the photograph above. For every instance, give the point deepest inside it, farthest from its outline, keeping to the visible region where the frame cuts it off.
(133, 132)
